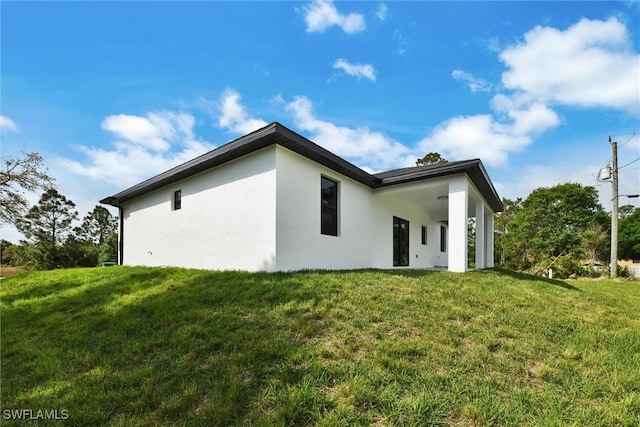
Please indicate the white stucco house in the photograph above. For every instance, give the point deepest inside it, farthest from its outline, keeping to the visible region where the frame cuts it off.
(274, 201)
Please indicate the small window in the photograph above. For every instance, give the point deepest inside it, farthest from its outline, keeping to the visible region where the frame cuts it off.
(443, 238)
(177, 200)
(329, 206)
(424, 234)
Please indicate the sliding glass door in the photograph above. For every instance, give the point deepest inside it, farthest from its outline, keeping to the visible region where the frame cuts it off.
(400, 242)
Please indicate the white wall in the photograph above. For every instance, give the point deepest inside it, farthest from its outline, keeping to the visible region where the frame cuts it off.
(300, 245)
(389, 205)
(262, 212)
(227, 220)
(365, 229)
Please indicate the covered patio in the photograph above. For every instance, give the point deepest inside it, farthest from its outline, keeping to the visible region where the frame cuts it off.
(453, 200)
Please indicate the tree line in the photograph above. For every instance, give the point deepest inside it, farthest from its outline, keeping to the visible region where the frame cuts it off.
(51, 238)
(563, 227)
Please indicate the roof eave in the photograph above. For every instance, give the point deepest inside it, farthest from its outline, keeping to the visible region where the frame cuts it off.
(474, 169)
(275, 133)
(215, 157)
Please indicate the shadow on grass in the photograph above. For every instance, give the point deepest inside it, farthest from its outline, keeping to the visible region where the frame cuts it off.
(161, 346)
(138, 346)
(49, 285)
(530, 277)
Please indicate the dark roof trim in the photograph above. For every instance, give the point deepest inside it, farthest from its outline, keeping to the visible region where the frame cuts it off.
(473, 168)
(275, 133)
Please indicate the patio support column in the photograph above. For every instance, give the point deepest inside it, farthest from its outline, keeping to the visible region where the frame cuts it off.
(458, 207)
(480, 236)
(489, 239)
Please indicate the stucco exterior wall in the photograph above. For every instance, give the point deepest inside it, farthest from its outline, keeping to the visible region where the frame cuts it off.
(420, 256)
(365, 229)
(300, 244)
(262, 212)
(227, 220)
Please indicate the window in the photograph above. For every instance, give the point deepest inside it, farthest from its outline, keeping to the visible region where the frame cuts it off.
(400, 242)
(443, 238)
(329, 206)
(177, 200)
(424, 234)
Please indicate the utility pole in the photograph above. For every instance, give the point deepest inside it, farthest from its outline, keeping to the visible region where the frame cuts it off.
(614, 211)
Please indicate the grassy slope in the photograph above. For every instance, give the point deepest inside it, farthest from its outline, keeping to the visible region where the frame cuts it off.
(136, 346)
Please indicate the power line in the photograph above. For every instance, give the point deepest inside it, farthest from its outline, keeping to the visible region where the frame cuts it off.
(629, 163)
(634, 134)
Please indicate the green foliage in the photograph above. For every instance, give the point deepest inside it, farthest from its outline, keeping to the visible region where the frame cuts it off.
(109, 248)
(431, 159)
(550, 221)
(504, 250)
(625, 210)
(595, 242)
(47, 225)
(143, 346)
(53, 243)
(629, 236)
(563, 266)
(49, 222)
(37, 257)
(96, 226)
(79, 253)
(7, 250)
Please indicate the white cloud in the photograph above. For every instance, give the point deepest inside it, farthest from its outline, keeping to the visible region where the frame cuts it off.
(234, 116)
(590, 64)
(322, 14)
(484, 137)
(277, 100)
(356, 70)
(381, 13)
(479, 136)
(150, 132)
(6, 124)
(370, 150)
(475, 84)
(144, 147)
(536, 119)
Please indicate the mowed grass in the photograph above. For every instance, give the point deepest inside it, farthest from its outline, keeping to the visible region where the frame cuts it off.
(141, 346)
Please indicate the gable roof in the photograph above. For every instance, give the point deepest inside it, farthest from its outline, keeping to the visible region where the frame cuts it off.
(275, 133)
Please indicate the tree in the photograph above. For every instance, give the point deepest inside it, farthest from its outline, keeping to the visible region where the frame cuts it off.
(77, 252)
(97, 226)
(502, 223)
(595, 242)
(6, 252)
(109, 248)
(84, 248)
(551, 220)
(47, 225)
(629, 236)
(17, 176)
(431, 159)
(625, 210)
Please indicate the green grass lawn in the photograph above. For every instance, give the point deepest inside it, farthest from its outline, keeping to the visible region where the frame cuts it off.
(141, 346)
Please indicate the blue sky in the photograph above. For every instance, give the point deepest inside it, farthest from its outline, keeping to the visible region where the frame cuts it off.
(113, 93)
